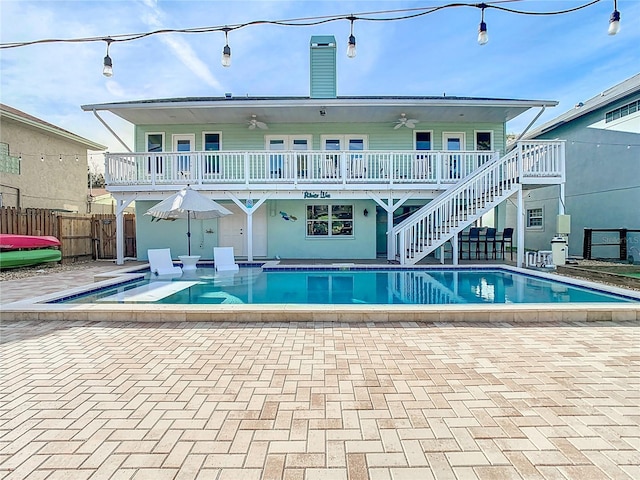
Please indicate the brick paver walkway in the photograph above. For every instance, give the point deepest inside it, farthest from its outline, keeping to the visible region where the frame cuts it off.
(319, 401)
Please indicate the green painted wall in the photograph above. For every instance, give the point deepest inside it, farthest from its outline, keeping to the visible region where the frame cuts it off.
(381, 136)
(173, 234)
(287, 239)
(323, 67)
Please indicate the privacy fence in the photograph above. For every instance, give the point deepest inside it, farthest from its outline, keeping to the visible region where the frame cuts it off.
(82, 237)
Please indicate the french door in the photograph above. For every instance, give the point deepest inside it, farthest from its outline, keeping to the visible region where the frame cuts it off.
(281, 165)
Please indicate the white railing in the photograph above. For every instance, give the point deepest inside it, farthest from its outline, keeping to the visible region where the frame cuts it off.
(455, 209)
(292, 167)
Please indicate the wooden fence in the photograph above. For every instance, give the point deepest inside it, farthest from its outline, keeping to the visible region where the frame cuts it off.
(82, 237)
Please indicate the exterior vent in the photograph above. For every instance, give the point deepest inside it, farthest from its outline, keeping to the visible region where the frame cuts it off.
(323, 66)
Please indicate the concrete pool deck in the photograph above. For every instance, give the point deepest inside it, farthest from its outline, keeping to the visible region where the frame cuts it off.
(313, 400)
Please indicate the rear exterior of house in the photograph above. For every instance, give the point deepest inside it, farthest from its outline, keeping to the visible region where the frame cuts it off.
(603, 173)
(326, 176)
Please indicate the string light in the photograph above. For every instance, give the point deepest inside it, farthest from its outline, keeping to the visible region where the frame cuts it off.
(61, 157)
(408, 13)
(614, 21)
(483, 37)
(351, 47)
(107, 69)
(226, 51)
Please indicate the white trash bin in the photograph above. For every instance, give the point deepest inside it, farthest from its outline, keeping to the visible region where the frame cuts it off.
(559, 250)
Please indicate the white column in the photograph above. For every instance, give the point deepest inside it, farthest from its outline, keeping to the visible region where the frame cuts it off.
(122, 204)
(454, 252)
(250, 234)
(119, 238)
(520, 226)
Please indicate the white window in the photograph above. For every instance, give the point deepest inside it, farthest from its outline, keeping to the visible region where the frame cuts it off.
(535, 218)
(211, 143)
(155, 144)
(484, 140)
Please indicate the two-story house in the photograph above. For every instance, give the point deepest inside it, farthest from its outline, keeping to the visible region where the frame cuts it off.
(325, 176)
(603, 172)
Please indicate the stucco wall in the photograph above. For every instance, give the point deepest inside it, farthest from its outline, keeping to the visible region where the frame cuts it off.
(50, 184)
(602, 182)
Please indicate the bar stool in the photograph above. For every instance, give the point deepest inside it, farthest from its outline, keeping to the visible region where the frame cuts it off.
(507, 237)
(490, 239)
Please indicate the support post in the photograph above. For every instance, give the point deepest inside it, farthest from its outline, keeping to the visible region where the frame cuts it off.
(520, 244)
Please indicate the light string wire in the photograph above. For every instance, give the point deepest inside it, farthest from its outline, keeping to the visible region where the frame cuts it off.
(299, 22)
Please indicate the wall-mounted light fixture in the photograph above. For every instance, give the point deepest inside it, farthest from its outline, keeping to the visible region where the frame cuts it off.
(366, 212)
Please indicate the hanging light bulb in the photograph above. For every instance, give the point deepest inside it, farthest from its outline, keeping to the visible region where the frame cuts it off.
(483, 36)
(351, 47)
(614, 21)
(77, 158)
(60, 157)
(107, 69)
(42, 157)
(226, 51)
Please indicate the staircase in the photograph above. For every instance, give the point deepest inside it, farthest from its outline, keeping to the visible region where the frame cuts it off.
(488, 186)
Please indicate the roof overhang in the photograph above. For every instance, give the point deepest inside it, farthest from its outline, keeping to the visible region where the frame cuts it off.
(275, 110)
(51, 129)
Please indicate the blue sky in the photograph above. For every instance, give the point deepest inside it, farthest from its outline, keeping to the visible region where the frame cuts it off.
(568, 58)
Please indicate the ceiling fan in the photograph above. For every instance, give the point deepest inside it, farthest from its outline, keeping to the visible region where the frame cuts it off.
(407, 122)
(253, 123)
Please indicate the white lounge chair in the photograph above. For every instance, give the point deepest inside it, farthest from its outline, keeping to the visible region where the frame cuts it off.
(224, 259)
(160, 262)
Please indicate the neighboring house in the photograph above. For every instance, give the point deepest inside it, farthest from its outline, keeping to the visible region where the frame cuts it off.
(42, 165)
(602, 190)
(101, 201)
(325, 176)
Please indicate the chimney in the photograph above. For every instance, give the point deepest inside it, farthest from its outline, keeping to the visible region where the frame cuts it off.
(323, 66)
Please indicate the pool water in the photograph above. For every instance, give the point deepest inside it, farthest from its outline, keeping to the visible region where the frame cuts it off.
(348, 286)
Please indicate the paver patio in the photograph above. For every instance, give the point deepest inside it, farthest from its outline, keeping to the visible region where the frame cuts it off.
(109, 400)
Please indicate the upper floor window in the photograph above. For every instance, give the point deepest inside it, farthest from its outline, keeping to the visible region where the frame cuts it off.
(484, 141)
(155, 142)
(211, 142)
(423, 140)
(623, 111)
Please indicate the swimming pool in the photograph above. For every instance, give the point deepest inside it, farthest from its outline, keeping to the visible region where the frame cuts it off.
(347, 286)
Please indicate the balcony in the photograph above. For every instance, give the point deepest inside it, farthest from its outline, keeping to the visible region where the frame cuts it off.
(331, 170)
(235, 170)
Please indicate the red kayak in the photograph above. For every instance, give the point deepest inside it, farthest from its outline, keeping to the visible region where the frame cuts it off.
(17, 242)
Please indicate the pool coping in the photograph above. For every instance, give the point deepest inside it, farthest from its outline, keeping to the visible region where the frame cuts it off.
(35, 309)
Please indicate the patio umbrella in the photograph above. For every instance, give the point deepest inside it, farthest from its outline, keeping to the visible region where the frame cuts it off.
(188, 203)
